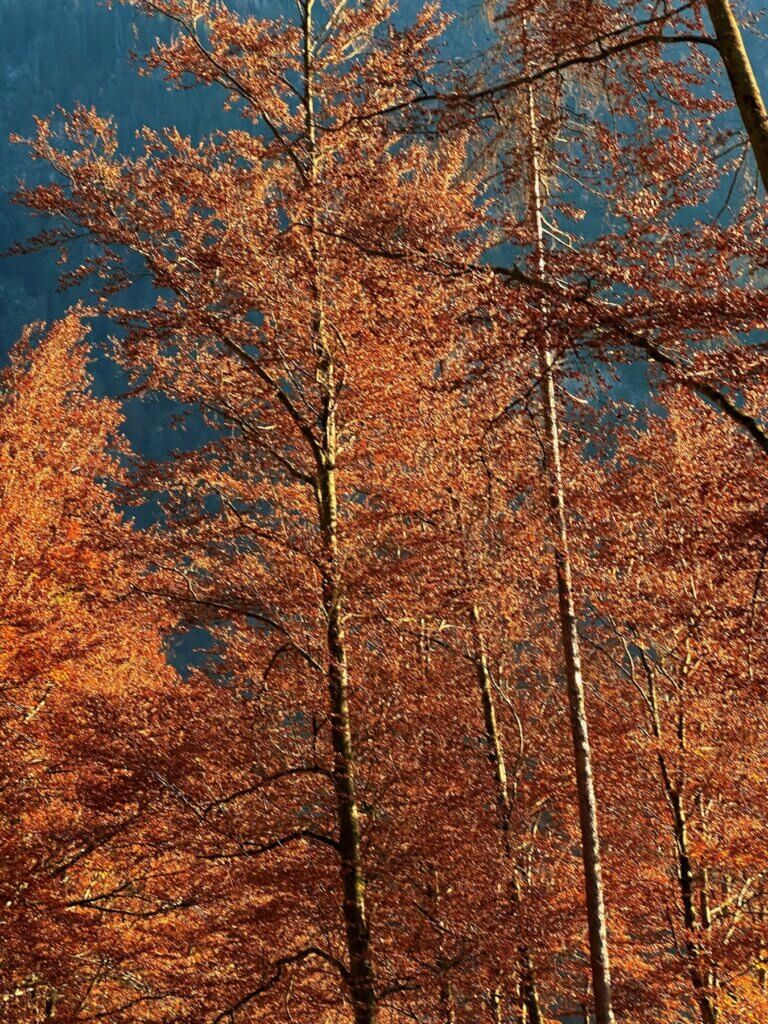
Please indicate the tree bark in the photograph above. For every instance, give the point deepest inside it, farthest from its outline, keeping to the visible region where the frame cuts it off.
(685, 874)
(497, 1007)
(361, 974)
(361, 977)
(590, 837)
(571, 646)
(529, 996)
(746, 91)
(492, 732)
(447, 1002)
(707, 1006)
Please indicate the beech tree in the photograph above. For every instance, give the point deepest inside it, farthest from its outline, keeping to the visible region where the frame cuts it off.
(285, 319)
(605, 35)
(674, 632)
(545, 174)
(84, 685)
(746, 91)
(407, 519)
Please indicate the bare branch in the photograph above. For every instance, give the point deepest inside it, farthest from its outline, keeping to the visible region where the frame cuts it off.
(300, 835)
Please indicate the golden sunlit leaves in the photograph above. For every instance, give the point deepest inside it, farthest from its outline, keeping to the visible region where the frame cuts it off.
(359, 800)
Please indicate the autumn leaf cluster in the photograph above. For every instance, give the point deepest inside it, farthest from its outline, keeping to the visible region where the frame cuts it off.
(428, 668)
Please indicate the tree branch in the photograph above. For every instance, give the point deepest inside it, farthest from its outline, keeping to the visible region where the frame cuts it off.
(278, 969)
(300, 835)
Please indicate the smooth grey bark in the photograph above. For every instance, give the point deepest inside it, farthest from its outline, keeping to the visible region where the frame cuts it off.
(746, 91)
(571, 646)
(529, 996)
(587, 800)
(673, 791)
(360, 976)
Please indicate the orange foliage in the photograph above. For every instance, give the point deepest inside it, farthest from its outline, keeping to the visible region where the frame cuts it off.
(358, 805)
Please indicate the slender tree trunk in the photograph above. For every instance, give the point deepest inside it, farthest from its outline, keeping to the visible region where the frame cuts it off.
(447, 1002)
(361, 976)
(590, 838)
(529, 996)
(746, 91)
(707, 1006)
(685, 874)
(497, 1007)
(492, 732)
(530, 1005)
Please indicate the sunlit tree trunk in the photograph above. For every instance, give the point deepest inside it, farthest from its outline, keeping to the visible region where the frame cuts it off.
(707, 1006)
(686, 879)
(492, 733)
(746, 91)
(587, 801)
(361, 973)
(446, 997)
(497, 1007)
(529, 996)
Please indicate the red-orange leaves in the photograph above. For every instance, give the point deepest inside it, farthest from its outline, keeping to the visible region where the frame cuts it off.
(83, 681)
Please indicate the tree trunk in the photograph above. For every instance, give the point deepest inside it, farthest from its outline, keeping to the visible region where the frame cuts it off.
(492, 733)
(590, 838)
(497, 1007)
(447, 1003)
(685, 874)
(361, 977)
(529, 996)
(746, 91)
(707, 1006)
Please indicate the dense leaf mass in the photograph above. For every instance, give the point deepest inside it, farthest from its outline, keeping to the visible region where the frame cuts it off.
(423, 678)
